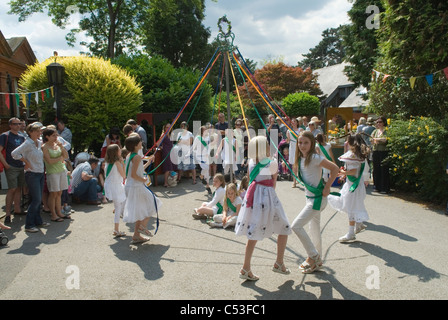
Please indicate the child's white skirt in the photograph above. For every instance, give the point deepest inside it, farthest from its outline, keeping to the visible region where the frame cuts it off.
(141, 203)
(351, 202)
(266, 218)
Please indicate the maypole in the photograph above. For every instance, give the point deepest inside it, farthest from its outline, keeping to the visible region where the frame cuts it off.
(225, 38)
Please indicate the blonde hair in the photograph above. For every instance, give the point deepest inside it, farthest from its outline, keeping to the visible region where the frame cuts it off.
(258, 148)
(230, 186)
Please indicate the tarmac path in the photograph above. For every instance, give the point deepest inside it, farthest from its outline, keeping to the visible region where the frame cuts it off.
(401, 255)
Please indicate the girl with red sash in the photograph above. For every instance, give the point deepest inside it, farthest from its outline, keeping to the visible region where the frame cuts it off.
(261, 213)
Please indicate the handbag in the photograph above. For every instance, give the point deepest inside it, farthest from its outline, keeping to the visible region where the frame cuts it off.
(2, 166)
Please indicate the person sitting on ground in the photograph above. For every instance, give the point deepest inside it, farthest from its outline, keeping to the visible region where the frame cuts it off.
(232, 206)
(84, 184)
(215, 206)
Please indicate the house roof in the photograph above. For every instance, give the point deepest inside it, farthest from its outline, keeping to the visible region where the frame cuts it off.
(332, 77)
(355, 99)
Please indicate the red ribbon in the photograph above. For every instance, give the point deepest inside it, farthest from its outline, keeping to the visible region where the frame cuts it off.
(251, 190)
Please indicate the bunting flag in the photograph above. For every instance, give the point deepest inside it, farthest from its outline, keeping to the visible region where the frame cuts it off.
(412, 80)
(26, 97)
(7, 101)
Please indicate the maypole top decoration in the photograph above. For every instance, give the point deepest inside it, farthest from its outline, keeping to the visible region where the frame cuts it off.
(225, 34)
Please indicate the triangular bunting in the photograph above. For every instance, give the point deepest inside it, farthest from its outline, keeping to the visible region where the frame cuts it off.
(429, 79)
(7, 101)
(385, 77)
(412, 81)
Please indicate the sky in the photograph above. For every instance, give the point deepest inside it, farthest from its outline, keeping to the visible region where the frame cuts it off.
(264, 29)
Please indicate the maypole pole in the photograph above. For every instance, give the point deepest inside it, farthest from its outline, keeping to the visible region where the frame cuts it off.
(225, 38)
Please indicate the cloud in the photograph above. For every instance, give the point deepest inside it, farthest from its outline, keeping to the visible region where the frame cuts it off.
(264, 29)
(267, 29)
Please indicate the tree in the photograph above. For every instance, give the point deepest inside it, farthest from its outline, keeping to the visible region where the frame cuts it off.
(277, 80)
(301, 104)
(174, 30)
(328, 52)
(97, 96)
(360, 41)
(166, 88)
(412, 44)
(113, 24)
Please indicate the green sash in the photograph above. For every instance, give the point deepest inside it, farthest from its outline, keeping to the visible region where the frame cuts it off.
(130, 158)
(230, 205)
(260, 165)
(355, 180)
(321, 147)
(233, 146)
(202, 141)
(109, 168)
(317, 191)
(219, 205)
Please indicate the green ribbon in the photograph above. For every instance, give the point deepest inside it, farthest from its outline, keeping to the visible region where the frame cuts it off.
(202, 141)
(109, 168)
(317, 191)
(356, 180)
(230, 205)
(130, 158)
(260, 165)
(321, 147)
(227, 139)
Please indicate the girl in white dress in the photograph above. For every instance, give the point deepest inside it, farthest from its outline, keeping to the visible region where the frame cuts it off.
(261, 213)
(324, 148)
(310, 165)
(141, 203)
(232, 206)
(353, 192)
(114, 184)
(291, 138)
(201, 155)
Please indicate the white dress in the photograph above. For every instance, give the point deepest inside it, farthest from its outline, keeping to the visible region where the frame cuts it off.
(292, 147)
(141, 202)
(267, 216)
(114, 186)
(352, 202)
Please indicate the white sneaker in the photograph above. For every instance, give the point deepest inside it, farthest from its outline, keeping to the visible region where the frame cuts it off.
(347, 237)
(214, 224)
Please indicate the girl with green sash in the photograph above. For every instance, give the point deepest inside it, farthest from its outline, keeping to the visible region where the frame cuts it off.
(353, 192)
(114, 184)
(232, 206)
(324, 148)
(261, 213)
(216, 205)
(309, 167)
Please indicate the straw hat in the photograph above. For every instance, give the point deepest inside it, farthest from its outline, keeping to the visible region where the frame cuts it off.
(315, 119)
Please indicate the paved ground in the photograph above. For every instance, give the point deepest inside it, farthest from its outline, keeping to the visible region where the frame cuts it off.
(401, 255)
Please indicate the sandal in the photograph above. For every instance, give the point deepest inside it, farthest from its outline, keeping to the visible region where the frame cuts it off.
(246, 275)
(306, 267)
(57, 220)
(279, 268)
(118, 234)
(145, 231)
(139, 240)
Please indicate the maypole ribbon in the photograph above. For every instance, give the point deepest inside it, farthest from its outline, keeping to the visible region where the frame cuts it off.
(239, 98)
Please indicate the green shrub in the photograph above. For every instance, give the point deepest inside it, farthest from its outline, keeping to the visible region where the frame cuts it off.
(418, 157)
(96, 96)
(301, 104)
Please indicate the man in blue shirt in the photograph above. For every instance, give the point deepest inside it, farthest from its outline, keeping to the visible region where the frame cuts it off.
(14, 169)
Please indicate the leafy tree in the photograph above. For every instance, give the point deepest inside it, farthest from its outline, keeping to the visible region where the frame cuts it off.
(301, 104)
(97, 96)
(166, 88)
(175, 31)
(412, 43)
(328, 52)
(360, 41)
(113, 24)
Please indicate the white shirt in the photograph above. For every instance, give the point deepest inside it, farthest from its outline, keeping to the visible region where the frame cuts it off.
(312, 173)
(32, 154)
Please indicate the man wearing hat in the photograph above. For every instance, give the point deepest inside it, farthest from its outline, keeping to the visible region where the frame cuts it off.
(367, 130)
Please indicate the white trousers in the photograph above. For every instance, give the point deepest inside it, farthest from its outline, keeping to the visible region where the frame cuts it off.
(230, 223)
(313, 242)
(119, 209)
